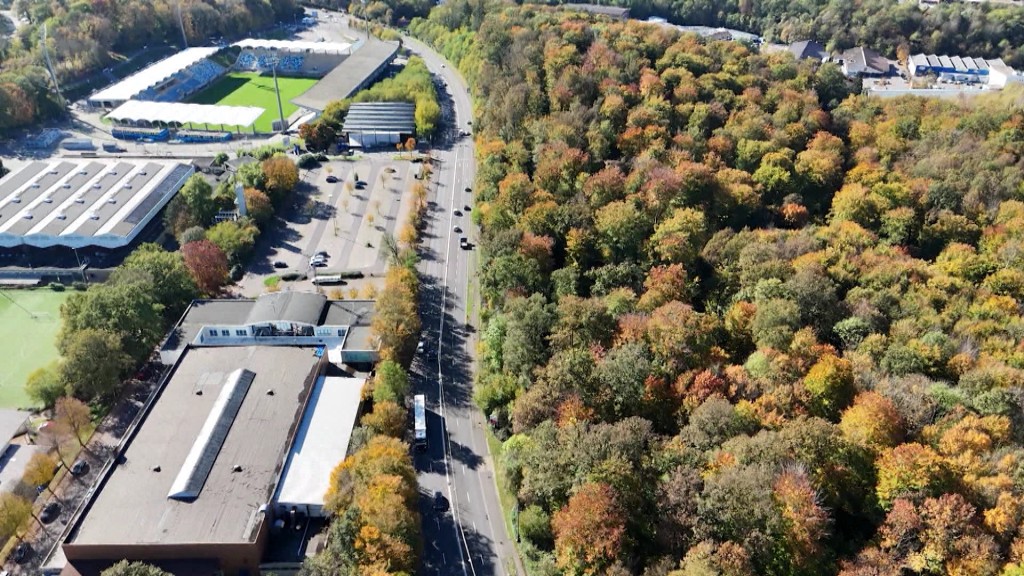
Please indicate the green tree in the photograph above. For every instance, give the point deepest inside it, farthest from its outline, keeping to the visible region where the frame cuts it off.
(126, 568)
(622, 228)
(14, 514)
(198, 197)
(44, 385)
(93, 364)
(172, 285)
(124, 307)
(235, 238)
(680, 238)
(391, 383)
(829, 383)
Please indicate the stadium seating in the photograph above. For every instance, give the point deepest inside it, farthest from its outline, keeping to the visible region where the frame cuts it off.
(185, 83)
(140, 134)
(192, 137)
(265, 62)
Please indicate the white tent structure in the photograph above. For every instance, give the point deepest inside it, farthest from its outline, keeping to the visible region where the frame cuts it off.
(149, 77)
(295, 46)
(138, 111)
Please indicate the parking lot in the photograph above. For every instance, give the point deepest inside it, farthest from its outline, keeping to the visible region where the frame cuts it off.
(344, 211)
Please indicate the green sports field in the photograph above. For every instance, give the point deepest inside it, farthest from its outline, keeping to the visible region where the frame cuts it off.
(29, 322)
(253, 89)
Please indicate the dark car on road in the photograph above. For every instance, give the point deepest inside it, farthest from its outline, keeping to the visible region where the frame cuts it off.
(50, 513)
(80, 468)
(440, 502)
(457, 212)
(280, 264)
(332, 179)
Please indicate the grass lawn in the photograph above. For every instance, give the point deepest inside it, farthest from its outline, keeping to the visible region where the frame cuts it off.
(252, 89)
(27, 343)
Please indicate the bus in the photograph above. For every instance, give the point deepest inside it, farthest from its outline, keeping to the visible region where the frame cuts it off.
(328, 279)
(419, 407)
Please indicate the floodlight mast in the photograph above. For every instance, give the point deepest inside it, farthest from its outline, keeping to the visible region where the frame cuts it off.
(181, 24)
(49, 67)
(277, 90)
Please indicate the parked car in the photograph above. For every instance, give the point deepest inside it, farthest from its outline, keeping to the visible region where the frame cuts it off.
(457, 212)
(468, 189)
(80, 468)
(332, 179)
(280, 264)
(457, 230)
(22, 552)
(322, 254)
(464, 244)
(318, 263)
(50, 513)
(420, 346)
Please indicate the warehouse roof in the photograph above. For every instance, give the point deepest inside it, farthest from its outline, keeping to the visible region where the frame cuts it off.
(182, 113)
(76, 203)
(321, 441)
(153, 75)
(381, 117)
(352, 75)
(131, 505)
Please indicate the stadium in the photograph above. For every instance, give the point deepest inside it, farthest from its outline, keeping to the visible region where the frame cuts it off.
(212, 94)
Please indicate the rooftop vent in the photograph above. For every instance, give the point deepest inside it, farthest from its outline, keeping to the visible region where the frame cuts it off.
(199, 392)
(112, 201)
(83, 172)
(94, 216)
(27, 216)
(48, 200)
(79, 200)
(35, 184)
(236, 468)
(96, 186)
(156, 468)
(53, 172)
(62, 216)
(16, 200)
(66, 186)
(270, 392)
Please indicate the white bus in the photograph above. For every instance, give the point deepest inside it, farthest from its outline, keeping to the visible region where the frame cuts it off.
(328, 279)
(419, 408)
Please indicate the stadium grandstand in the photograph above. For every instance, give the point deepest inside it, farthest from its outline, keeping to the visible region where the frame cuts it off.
(169, 80)
(139, 113)
(227, 89)
(79, 203)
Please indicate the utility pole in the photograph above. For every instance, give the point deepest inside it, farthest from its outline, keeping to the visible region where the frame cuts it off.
(277, 90)
(49, 66)
(181, 24)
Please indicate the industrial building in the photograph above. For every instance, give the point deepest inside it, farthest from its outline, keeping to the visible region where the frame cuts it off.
(91, 202)
(373, 124)
(952, 67)
(226, 471)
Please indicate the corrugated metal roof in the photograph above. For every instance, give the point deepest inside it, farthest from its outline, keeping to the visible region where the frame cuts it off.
(381, 117)
(945, 62)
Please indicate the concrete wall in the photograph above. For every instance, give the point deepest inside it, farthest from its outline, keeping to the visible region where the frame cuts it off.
(232, 558)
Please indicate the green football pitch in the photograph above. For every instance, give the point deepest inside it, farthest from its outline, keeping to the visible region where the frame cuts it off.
(253, 89)
(29, 322)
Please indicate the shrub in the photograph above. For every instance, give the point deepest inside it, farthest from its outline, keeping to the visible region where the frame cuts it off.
(57, 287)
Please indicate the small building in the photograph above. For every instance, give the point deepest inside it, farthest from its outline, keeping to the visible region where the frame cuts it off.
(808, 50)
(341, 327)
(1000, 76)
(375, 124)
(860, 62)
(953, 68)
(14, 456)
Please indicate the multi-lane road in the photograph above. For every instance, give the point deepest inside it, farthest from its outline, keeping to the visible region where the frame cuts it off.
(464, 532)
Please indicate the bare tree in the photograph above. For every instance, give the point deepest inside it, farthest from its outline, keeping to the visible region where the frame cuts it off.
(76, 416)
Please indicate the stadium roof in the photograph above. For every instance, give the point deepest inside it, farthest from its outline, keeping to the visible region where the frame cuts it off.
(131, 505)
(381, 117)
(321, 442)
(295, 46)
(79, 203)
(353, 74)
(153, 75)
(138, 110)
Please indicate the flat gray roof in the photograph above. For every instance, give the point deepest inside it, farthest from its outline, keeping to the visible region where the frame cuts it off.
(11, 423)
(76, 203)
(131, 506)
(350, 76)
(381, 117)
(205, 312)
(298, 307)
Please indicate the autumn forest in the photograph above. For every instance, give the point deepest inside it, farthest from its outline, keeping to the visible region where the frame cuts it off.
(737, 320)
